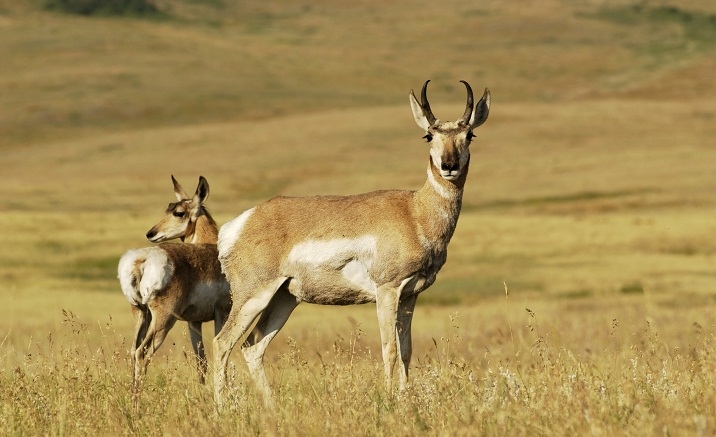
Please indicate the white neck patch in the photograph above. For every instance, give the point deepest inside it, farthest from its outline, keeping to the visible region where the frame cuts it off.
(440, 189)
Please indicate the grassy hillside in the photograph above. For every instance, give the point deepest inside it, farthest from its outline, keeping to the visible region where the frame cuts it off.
(591, 195)
(229, 61)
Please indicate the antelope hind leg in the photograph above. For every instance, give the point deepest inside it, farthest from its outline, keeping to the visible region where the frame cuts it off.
(270, 323)
(245, 309)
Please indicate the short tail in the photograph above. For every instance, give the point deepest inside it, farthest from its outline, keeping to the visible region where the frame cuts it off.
(143, 272)
(129, 273)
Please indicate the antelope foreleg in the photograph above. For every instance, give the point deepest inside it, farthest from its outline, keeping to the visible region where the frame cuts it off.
(406, 307)
(387, 305)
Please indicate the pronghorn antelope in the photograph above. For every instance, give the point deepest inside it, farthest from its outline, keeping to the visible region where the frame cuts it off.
(171, 282)
(384, 247)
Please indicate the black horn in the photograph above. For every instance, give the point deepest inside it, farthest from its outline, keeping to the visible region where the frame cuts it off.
(468, 107)
(424, 103)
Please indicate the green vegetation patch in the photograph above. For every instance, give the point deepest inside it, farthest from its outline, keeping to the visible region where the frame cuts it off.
(696, 25)
(567, 198)
(580, 293)
(92, 271)
(632, 288)
(104, 7)
(465, 291)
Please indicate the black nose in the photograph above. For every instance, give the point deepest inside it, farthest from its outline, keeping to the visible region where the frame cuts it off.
(449, 166)
(151, 234)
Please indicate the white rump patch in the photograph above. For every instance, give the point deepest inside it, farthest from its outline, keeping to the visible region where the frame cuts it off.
(353, 257)
(158, 271)
(125, 271)
(142, 272)
(230, 232)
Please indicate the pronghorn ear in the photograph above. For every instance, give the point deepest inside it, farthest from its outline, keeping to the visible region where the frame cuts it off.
(178, 190)
(418, 114)
(482, 110)
(202, 190)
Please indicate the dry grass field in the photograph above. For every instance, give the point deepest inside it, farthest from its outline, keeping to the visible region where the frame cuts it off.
(581, 281)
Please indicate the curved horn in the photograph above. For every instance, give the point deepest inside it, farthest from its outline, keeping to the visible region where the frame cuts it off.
(424, 103)
(468, 107)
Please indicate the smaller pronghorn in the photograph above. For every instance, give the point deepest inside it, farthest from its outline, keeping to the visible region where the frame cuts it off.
(176, 281)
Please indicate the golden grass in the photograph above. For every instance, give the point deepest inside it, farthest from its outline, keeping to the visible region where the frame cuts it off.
(590, 195)
(618, 366)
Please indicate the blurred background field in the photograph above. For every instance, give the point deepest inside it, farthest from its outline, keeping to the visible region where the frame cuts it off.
(591, 194)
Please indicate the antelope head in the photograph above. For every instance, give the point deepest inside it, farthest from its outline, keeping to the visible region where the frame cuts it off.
(180, 218)
(449, 141)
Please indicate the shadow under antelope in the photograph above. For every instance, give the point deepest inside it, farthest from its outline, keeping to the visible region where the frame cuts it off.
(384, 247)
(175, 281)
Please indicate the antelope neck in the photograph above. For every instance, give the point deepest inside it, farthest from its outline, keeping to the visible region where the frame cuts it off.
(438, 204)
(201, 231)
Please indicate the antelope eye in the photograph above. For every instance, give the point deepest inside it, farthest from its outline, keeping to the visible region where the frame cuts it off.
(179, 214)
(470, 136)
(428, 137)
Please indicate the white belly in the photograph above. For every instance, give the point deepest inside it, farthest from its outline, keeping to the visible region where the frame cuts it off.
(333, 272)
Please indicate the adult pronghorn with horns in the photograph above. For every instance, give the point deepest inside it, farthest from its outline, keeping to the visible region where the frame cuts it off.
(384, 247)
